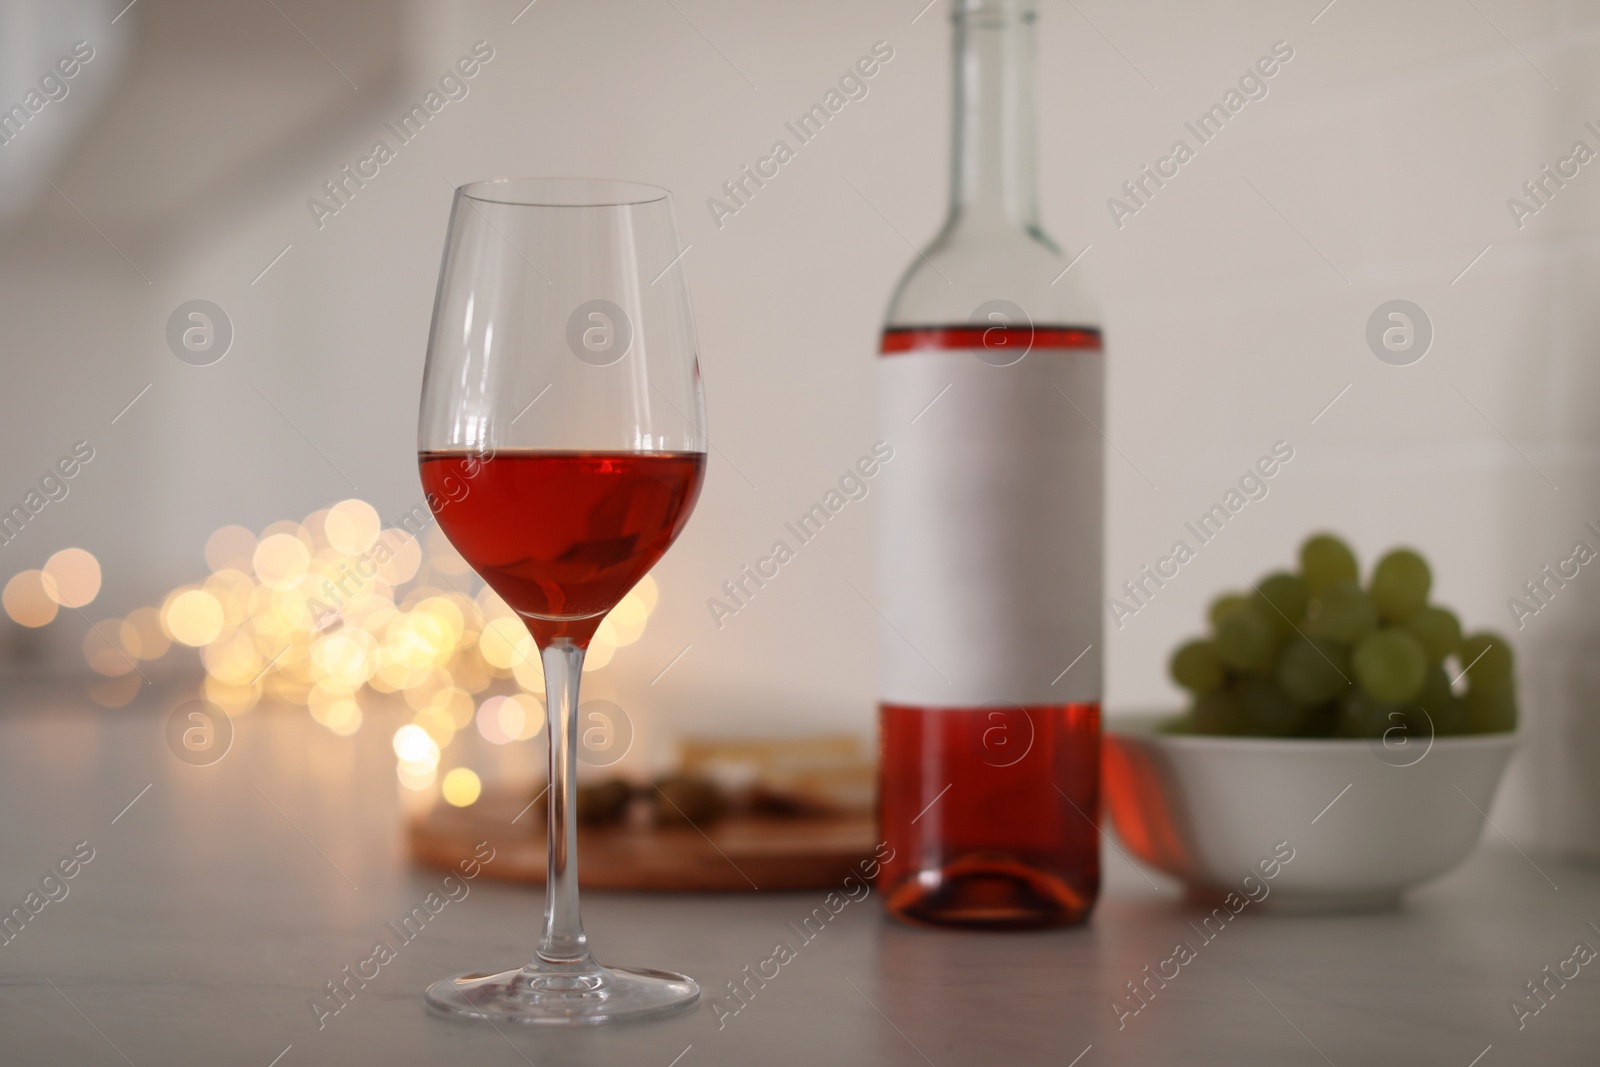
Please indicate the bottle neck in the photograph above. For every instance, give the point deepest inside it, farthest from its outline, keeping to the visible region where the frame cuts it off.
(993, 174)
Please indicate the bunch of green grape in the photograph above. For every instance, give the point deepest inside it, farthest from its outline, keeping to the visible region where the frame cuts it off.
(1315, 654)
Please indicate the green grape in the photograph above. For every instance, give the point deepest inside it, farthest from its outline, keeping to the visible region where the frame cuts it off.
(1314, 670)
(1268, 711)
(1362, 716)
(1439, 705)
(1390, 665)
(1217, 712)
(1282, 599)
(1486, 658)
(1437, 629)
(1246, 641)
(1400, 584)
(1195, 666)
(1226, 605)
(1322, 720)
(1345, 613)
(1491, 708)
(1325, 561)
(1318, 655)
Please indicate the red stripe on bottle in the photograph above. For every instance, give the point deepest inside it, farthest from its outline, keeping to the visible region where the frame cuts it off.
(922, 338)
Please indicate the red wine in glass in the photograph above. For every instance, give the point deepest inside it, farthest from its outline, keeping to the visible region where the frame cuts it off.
(561, 440)
(562, 536)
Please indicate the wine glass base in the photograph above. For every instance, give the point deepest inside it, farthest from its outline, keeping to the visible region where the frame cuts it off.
(537, 998)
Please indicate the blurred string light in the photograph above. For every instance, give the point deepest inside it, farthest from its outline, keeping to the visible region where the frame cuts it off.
(461, 787)
(332, 614)
(69, 579)
(26, 600)
(72, 577)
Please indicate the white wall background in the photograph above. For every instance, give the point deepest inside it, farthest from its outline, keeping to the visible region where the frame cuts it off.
(1380, 163)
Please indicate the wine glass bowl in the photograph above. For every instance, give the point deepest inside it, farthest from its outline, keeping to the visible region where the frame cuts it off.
(562, 322)
(562, 447)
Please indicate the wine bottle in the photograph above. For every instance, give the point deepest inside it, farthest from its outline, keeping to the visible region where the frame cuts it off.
(989, 533)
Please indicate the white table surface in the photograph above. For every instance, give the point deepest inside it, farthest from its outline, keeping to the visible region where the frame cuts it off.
(218, 904)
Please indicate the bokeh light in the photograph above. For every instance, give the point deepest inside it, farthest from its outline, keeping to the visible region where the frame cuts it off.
(352, 526)
(413, 745)
(402, 566)
(601, 649)
(417, 776)
(342, 716)
(281, 560)
(625, 624)
(72, 577)
(504, 719)
(490, 725)
(529, 674)
(342, 616)
(27, 602)
(193, 618)
(461, 787)
(104, 655)
(504, 642)
(143, 636)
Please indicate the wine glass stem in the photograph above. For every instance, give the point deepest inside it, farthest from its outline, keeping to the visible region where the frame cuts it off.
(563, 943)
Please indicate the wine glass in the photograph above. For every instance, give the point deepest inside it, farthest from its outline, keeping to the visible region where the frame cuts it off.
(562, 447)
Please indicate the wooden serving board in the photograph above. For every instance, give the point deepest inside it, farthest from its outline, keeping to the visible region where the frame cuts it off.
(736, 852)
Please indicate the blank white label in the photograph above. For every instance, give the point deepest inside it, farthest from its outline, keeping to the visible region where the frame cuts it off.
(990, 528)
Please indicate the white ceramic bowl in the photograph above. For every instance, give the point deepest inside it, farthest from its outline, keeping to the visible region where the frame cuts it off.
(1366, 820)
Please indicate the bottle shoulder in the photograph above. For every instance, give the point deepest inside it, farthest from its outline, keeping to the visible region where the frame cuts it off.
(964, 270)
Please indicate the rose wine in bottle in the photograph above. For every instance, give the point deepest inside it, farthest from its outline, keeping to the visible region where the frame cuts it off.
(990, 383)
